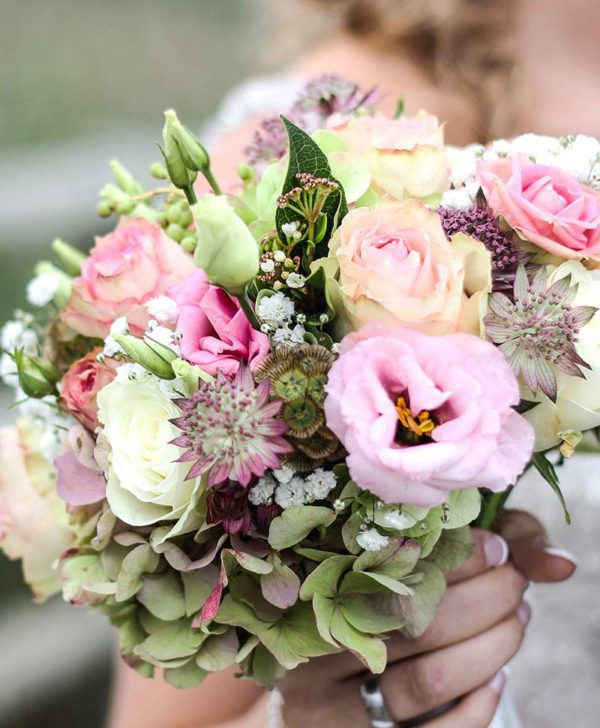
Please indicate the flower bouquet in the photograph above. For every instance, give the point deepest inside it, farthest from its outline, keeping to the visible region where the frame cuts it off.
(256, 424)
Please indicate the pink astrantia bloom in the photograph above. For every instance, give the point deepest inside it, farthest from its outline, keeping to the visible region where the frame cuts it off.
(422, 415)
(547, 206)
(127, 268)
(230, 429)
(215, 333)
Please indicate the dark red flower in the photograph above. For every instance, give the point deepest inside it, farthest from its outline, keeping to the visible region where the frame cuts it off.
(228, 505)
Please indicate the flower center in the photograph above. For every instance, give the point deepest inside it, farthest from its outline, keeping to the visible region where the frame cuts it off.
(411, 430)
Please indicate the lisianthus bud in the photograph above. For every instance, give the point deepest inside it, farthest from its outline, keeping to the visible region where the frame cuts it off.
(153, 356)
(227, 251)
(124, 179)
(69, 258)
(36, 377)
(191, 152)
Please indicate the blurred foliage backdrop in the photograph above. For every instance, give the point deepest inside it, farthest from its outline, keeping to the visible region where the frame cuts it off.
(81, 81)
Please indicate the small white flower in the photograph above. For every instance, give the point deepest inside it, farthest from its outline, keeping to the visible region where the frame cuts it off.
(41, 289)
(335, 348)
(291, 494)
(372, 540)
(338, 505)
(323, 318)
(397, 520)
(285, 336)
(295, 280)
(129, 371)
(163, 309)
(288, 229)
(279, 256)
(320, 483)
(262, 492)
(268, 265)
(283, 475)
(16, 335)
(460, 199)
(119, 326)
(162, 335)
(276, 310)
(8, 371)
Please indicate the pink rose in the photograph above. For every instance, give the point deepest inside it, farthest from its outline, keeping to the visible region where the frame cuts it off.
(421, 415)
(33, 521)
(393, 264)
(81, 384)
(545, 205)
(406, 156)
(125, 269)
(79, 479)
(215, 333)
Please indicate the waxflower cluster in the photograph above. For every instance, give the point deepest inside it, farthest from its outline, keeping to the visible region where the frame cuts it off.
(255, 424)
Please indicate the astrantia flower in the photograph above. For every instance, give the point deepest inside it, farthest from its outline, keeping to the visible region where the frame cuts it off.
(481, 223)
(230, 429)
(327, 95)
(539, 330)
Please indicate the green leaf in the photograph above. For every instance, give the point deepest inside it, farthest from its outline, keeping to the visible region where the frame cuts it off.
(306, 156)
(395, 560)
(218, 652)
(173, 642)
(324, 608)
(350, 531)
(246, 648)
(281, 586)
(237, 614)
(324, 579)
(463, 508)
(419, 609)
(265, 668)
(247, 561)
(546, 469)
(163, 596)
(295, 523)
(314, 554)
(370, 651)
(246, 590)
(454, 547)
(187, 676)
(366, 582)
(197, 586)
(140, 560)
(364, 612)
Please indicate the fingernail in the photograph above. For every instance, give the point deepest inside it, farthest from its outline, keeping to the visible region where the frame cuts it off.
(497, 683)
(495, 549)
(561, 554)
(524, 613)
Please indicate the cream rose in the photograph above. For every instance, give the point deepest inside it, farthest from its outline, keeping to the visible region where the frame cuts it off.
(406, 156)
(393, 264)
(33, 521)
(145, 484)
(577, 406)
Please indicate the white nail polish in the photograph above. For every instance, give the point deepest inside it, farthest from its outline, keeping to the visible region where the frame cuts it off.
(561, 554)
(496, 550)
(497, 683)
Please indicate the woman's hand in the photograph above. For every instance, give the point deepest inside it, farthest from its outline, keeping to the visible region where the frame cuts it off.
(477, 629)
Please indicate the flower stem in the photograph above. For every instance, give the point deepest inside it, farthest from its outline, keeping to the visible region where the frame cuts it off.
(492, 508)
(248, 309)
(211, 180)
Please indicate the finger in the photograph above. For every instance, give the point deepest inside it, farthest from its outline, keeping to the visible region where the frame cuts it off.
(531, 551)
(468, 609)
(475, 710)
(420, 684)
(490, 550)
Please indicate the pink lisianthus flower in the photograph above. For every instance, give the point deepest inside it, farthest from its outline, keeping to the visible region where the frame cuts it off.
(545, 205)
(80, 386)
(128, 267)
(215, 333)
(422, 415)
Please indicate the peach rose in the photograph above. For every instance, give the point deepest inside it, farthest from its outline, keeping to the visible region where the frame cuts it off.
(406, 156)
(134, 263)
(393, 264)
(32, 518)
(81, 384)
(545, 205)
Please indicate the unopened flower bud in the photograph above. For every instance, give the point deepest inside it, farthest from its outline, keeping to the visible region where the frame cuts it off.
(69, 258)
(188, 244)
(124, 179)
(36, 377)
(191, 152)
(245, 172)
(147, 355)
(104, 209)
(158, 171)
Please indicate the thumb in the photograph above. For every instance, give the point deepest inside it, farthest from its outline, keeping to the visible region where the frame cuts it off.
(531, 551)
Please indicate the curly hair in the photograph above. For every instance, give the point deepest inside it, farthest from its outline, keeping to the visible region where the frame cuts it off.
(464, 45)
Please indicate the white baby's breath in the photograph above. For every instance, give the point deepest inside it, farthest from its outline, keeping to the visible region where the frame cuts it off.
(163, 309)
(319, 484)
(41, 289)
(372, 540)
(291, 494)
(262, 492)
(276, 310)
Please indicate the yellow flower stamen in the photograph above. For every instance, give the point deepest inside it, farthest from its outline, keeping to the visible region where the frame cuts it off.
(422, 425)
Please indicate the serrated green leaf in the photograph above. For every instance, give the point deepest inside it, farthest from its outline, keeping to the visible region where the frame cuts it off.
(548, 472)
(324, 579)
(295, 523)
(306, 156)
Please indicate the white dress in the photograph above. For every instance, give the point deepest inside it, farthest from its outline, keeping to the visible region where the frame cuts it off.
(259, 97)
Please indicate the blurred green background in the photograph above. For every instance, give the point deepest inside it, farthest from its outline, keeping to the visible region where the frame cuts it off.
(81, 82)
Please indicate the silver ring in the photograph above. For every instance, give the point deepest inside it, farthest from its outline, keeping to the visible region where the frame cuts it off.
(375, 705)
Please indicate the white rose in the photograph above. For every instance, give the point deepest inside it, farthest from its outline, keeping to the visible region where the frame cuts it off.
(577, 406)
(144, 483)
